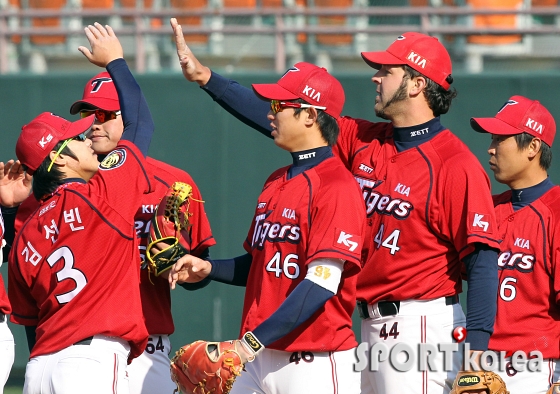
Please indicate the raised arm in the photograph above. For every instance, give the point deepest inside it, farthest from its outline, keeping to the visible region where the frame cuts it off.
(106, 51)
(238, 100)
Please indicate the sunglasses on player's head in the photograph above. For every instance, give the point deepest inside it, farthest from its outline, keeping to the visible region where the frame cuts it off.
(278, 106)
(80, 137)
(100, 114)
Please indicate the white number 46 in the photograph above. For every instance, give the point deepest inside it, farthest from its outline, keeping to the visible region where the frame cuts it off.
(289, 266)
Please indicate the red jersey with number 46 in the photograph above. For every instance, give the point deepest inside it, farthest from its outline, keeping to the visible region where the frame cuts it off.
(4, 303)
(156, 298)
(316, 214)
(528, 316)
(74, 265)
(426, 207)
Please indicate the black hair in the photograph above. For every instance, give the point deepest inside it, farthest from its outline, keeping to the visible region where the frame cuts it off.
(439, 99)
(524, 139)
(327, 124)
(45, 182)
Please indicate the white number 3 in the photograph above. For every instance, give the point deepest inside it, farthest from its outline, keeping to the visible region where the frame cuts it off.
(67, 272)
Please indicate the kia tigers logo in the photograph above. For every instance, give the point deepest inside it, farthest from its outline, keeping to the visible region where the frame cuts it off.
(509, 102)
(97, 83)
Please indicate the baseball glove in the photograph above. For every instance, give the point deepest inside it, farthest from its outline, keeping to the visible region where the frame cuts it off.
(170, 225)
(206, 367)
(475, 380)
(554, 389)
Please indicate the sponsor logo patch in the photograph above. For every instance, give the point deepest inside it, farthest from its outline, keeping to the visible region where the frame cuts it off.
(346, 241)
(468, 380)
(480, 222)
(113, 160)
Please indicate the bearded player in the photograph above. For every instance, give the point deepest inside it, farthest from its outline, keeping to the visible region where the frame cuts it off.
(303, 252)
(149, 373)
(528, 217)
(428, 203)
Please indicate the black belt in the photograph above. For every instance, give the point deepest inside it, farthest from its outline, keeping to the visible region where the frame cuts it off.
(2, 317)
(85, 341)
(391, 308)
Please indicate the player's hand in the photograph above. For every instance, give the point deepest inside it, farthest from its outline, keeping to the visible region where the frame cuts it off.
(193, 70)
(188, 269)
(105, 46)
(15, 184)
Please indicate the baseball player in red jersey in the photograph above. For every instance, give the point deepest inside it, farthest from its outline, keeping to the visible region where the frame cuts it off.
(528, 218)
(149, 373)
(428, 206)
(69, 259)
(303, 251)
(15, 186)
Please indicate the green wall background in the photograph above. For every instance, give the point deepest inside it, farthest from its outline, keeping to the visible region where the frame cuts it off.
(230, 162)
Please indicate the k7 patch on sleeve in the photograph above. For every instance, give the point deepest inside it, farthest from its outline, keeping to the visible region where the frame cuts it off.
(480, 222)
(346, 241)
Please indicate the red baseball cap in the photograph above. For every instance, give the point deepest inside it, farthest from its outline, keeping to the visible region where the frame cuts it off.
(99, 93)
(423, 53)
(519, 115)
(308, 82)
(39, 137)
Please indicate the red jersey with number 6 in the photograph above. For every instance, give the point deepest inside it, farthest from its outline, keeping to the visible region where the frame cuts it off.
(74, 266)
(4, 303)
(316, 214)
(426, 207)
(156, 297)
(528, 316)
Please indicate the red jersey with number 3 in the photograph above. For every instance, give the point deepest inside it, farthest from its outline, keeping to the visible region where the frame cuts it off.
(316, 214)
(528, 316)
(74, 265)
(156, 297)
(426, 207)
(4, 303)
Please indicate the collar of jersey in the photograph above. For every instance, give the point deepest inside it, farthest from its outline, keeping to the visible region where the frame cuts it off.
(523, 197)
(309, 159)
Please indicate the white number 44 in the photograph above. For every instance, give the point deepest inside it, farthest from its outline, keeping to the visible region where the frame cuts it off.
(390, 242)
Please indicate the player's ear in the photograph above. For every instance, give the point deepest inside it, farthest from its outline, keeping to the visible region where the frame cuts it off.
(534, 147)
(311, 115)
(419, 83)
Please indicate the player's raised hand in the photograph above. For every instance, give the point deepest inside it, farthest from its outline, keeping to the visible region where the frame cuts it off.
(193, 70)
(15, 184)
(105, 46)
(188, 269)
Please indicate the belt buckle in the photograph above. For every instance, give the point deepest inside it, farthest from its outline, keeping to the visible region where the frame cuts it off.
(374, 310)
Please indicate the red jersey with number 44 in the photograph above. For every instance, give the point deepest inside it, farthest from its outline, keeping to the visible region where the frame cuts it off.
(74, 266)
(4, 303)
(528, 316)
(156, 298)
(316, 214)
(426, 207)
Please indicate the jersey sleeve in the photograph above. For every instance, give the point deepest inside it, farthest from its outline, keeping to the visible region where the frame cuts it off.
(467, 215)
(24, 308)
(123, 169)
(555, 270)
(337, 222)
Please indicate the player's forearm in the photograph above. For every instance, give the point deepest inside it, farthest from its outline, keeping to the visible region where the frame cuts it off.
(239, 101)
(301, 304)
(137, 119)
(482, 271)
(231, 271)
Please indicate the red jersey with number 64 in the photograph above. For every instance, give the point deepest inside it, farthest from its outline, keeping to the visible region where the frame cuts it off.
(74, 266)
(426, 206)
(316, 214)
(156, 297)
(528, 316)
